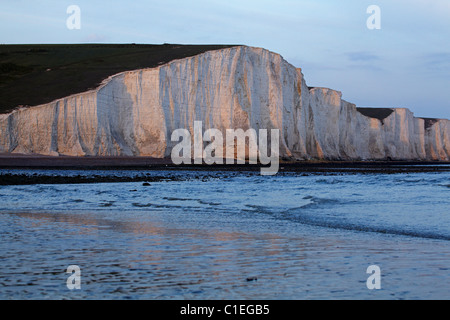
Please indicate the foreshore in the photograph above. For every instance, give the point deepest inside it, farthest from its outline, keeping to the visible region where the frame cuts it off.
(13, 166)
(123, 162)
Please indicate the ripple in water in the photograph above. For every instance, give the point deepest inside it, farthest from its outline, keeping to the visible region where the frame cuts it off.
(300, 236)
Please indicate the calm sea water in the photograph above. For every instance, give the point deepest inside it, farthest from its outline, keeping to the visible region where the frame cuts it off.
(294, 236)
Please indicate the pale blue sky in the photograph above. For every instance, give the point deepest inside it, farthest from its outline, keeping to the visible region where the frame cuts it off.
(405, 64)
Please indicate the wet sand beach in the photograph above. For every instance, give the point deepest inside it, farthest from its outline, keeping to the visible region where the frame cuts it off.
(202, 234)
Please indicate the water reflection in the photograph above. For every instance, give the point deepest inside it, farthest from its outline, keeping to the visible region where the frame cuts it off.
(204, 240)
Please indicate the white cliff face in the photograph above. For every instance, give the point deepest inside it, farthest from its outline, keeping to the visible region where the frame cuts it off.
(135, 113)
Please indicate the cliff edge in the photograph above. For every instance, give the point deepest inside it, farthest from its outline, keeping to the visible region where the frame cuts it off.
(133, 113)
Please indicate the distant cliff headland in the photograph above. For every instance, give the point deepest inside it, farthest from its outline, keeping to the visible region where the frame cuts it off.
(126, 100)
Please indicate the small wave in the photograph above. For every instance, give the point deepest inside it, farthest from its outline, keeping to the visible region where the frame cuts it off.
(295, 215)
(315, 201)
(406, 180)
(140, 205)
(177, 199)
(107, 204)
(419, 180)
(256, 208)
(160, 206)
(209, 203)
(330, 181)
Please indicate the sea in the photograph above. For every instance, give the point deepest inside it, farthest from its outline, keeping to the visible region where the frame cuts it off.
(227, 236)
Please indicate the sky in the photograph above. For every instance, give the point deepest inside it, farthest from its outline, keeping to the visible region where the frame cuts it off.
(406, 63)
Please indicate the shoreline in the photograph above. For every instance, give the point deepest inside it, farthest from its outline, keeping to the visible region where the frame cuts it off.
(151, 169)
(13, 161)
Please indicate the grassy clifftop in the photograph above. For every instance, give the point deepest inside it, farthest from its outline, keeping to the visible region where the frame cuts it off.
(36, 74)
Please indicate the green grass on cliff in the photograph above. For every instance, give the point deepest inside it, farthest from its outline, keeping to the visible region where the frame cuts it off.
(35, 74)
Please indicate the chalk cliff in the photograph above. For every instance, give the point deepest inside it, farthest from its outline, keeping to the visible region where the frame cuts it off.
(135, 113)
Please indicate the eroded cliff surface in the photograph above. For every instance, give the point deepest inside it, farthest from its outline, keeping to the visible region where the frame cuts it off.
(135, 113)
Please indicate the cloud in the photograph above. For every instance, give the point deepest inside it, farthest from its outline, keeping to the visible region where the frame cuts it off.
(436, 65)
(437, 60)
